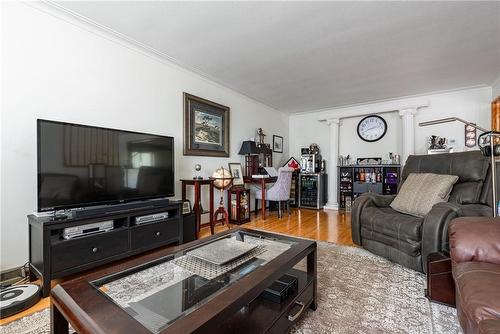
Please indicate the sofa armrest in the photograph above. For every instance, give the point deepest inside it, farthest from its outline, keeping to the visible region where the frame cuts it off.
(475, 239)
(363, 201)
(435, 228)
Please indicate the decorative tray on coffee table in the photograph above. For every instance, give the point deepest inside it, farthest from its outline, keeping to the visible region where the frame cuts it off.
(222, 251)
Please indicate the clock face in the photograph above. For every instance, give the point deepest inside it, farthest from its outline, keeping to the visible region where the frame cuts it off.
(372, 128)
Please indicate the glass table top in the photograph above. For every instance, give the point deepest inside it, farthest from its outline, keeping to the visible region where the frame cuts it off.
(158, 293)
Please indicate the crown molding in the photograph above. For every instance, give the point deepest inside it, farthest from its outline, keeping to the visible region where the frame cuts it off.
(416, 97)
(60, 12)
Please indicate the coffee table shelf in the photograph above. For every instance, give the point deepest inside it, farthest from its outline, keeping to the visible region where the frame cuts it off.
(265, 316)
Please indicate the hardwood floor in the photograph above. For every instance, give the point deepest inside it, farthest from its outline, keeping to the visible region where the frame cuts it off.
(324, 225)
(331, 226)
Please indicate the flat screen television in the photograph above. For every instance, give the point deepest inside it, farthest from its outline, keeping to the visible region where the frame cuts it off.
(81, 166)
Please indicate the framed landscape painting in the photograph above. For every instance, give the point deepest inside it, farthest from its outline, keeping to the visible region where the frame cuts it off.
(206, 127)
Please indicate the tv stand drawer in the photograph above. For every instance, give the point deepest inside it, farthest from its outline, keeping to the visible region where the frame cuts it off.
(147, 235)
(72, 253)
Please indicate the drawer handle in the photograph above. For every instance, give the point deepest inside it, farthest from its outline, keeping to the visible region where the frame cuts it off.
(95, 250)
(157, 234)
(294, 317)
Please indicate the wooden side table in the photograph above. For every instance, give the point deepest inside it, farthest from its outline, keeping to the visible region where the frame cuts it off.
(197, 209)
(242, 214)
(440, 283)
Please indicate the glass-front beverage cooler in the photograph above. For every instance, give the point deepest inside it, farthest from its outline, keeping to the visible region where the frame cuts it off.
(313, 190)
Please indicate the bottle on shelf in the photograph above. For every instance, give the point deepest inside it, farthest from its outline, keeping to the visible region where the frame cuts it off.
(348, 204)
(361, 175)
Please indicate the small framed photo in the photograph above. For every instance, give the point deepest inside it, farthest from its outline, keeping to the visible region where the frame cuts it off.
(186, 207)
(277, 144)
(236, 173)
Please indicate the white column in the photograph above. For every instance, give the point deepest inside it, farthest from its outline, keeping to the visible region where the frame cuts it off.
(334, 124)
(407, 118)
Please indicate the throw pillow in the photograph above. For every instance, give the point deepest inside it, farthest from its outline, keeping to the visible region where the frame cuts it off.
(421, 191)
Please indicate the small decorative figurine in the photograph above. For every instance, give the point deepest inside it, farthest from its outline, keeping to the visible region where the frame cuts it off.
(261, 135)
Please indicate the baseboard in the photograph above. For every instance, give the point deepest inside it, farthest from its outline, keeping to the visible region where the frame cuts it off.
(331, 206)
(10, 276)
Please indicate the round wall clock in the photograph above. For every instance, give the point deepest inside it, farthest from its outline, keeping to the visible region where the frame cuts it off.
(372, 128)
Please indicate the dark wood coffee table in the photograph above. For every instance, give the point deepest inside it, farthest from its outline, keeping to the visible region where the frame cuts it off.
(155, 293)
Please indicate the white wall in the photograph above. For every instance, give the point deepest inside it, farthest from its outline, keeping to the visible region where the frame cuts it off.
(470, 104)
(60, 69)
(473, 105)
(305, 130)
(351, 144)
(496, 88)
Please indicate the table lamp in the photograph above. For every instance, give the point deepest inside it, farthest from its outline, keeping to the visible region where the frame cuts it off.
(249, 148)
(492, 147)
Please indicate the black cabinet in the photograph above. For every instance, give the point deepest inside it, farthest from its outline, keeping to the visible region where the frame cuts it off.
(52, 256)
(354, 180)
(313, 190)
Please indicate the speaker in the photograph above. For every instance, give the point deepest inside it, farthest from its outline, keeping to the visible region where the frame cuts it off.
(188, 228)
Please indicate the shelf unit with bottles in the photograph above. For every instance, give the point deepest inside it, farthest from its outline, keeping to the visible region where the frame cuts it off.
(354, 180)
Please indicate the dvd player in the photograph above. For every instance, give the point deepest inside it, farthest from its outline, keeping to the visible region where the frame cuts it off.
(84, 230)
(156, 217)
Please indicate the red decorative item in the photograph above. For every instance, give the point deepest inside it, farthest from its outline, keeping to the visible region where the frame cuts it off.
(292, 163)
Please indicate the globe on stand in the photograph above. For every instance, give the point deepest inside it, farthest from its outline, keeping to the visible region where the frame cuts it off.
(222, 180)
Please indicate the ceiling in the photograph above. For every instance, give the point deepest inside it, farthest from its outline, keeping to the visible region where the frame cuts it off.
(302, 56)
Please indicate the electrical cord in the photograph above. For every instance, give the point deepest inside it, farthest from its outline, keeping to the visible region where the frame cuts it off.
(25, 277)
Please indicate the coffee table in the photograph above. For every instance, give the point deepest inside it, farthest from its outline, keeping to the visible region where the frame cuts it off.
(171, 291)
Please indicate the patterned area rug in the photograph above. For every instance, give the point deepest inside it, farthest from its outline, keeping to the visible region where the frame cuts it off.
(358, 292)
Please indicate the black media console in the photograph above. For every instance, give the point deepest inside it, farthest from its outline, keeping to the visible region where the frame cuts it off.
(51, 256)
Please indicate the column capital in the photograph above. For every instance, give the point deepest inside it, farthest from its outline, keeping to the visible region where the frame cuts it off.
(331, 121)
(408, 111)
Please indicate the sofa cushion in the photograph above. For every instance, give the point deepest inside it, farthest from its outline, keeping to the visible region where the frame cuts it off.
(409, 247)
(421, 191)
(392, 228)
(478, 292)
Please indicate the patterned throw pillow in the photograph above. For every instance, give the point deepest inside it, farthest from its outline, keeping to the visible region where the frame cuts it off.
(421, 191)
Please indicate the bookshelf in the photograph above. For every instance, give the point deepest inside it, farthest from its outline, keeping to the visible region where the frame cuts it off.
(354, 180)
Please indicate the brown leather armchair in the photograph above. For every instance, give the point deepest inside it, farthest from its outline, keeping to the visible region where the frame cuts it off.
(475, 255)
(408, 240)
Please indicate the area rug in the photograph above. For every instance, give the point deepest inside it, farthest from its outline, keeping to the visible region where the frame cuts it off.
(358, 292)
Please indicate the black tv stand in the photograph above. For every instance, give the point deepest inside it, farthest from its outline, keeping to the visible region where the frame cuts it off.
(117, 208)
(51, 256)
